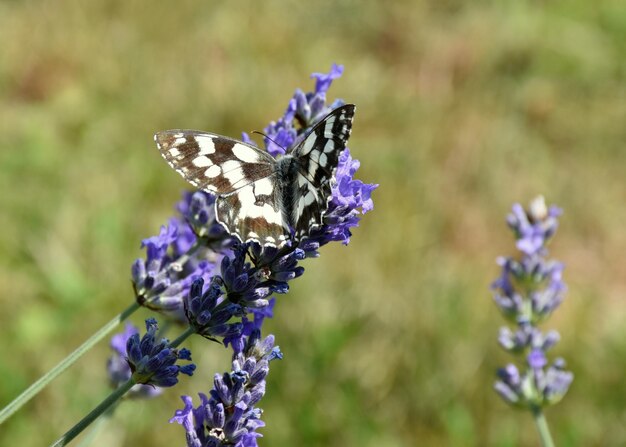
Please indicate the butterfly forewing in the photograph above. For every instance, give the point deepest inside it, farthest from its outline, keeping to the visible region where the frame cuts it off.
(211, 162)
(318, 155)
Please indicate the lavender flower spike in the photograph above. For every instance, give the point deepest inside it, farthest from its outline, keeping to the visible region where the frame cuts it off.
(528, 290)
(229, 416)
(118, 368)
(154, 363)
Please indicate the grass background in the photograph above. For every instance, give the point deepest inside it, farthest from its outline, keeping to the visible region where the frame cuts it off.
(463, 109)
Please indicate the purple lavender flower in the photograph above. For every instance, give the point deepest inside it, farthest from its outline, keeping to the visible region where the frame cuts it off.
(241, 280)
(509, 387)
(350, 199)
(238, 341)
(241, 287)
(154, 363)
(526, 336)
(186, 249)
(533, 227)
(229, 416)
(209, 313)
(528, 290)
(311, 107)
(273, 268)
(533, 277)
(118, 368)
(198, 210)
(323, 80)
(555, 383)
(537, 387)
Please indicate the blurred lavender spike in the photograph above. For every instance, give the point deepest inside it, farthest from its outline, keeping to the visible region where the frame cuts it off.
(528, 290)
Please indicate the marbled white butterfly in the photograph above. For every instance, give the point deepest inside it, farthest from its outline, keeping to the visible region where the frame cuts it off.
(260, 198)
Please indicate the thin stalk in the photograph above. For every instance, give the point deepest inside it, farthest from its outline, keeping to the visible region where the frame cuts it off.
(94, 414)
(68, 361)
(542, 427)
(97, 427)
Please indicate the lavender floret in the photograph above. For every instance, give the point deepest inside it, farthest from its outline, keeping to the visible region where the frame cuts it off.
(198, 210)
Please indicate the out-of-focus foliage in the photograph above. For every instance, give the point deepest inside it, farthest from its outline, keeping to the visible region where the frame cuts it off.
(463, 109)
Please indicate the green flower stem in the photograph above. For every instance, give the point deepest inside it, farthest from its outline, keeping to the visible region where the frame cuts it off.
(542, 427)
(94, 414)
(97, 426)
(32, 391)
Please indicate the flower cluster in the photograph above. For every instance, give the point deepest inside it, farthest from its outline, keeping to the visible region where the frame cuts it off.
(350, 199)
(154, 363)
(118, 368)
(209, 313)
(526, 293)
(229, 416)
(174, 259)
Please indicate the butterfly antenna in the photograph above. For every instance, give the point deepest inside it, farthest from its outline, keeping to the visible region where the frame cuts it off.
(261, 133)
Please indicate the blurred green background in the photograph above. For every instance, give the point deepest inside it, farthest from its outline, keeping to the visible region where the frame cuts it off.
(463, 109)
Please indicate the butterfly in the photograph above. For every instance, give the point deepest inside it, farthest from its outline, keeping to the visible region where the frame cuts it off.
(260, 198)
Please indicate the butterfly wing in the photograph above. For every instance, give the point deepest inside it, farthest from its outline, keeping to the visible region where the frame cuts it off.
(213, 163)
(243, 178)
(254, 213)
(318, 156)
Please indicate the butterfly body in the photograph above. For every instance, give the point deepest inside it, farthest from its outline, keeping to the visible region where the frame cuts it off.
(283, 173)
(259, 198)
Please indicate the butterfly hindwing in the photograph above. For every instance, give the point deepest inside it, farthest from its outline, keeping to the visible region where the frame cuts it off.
(254, 213)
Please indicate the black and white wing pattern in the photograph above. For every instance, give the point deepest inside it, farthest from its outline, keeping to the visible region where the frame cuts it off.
(260, 198)
(241, 176)
(317, 157)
